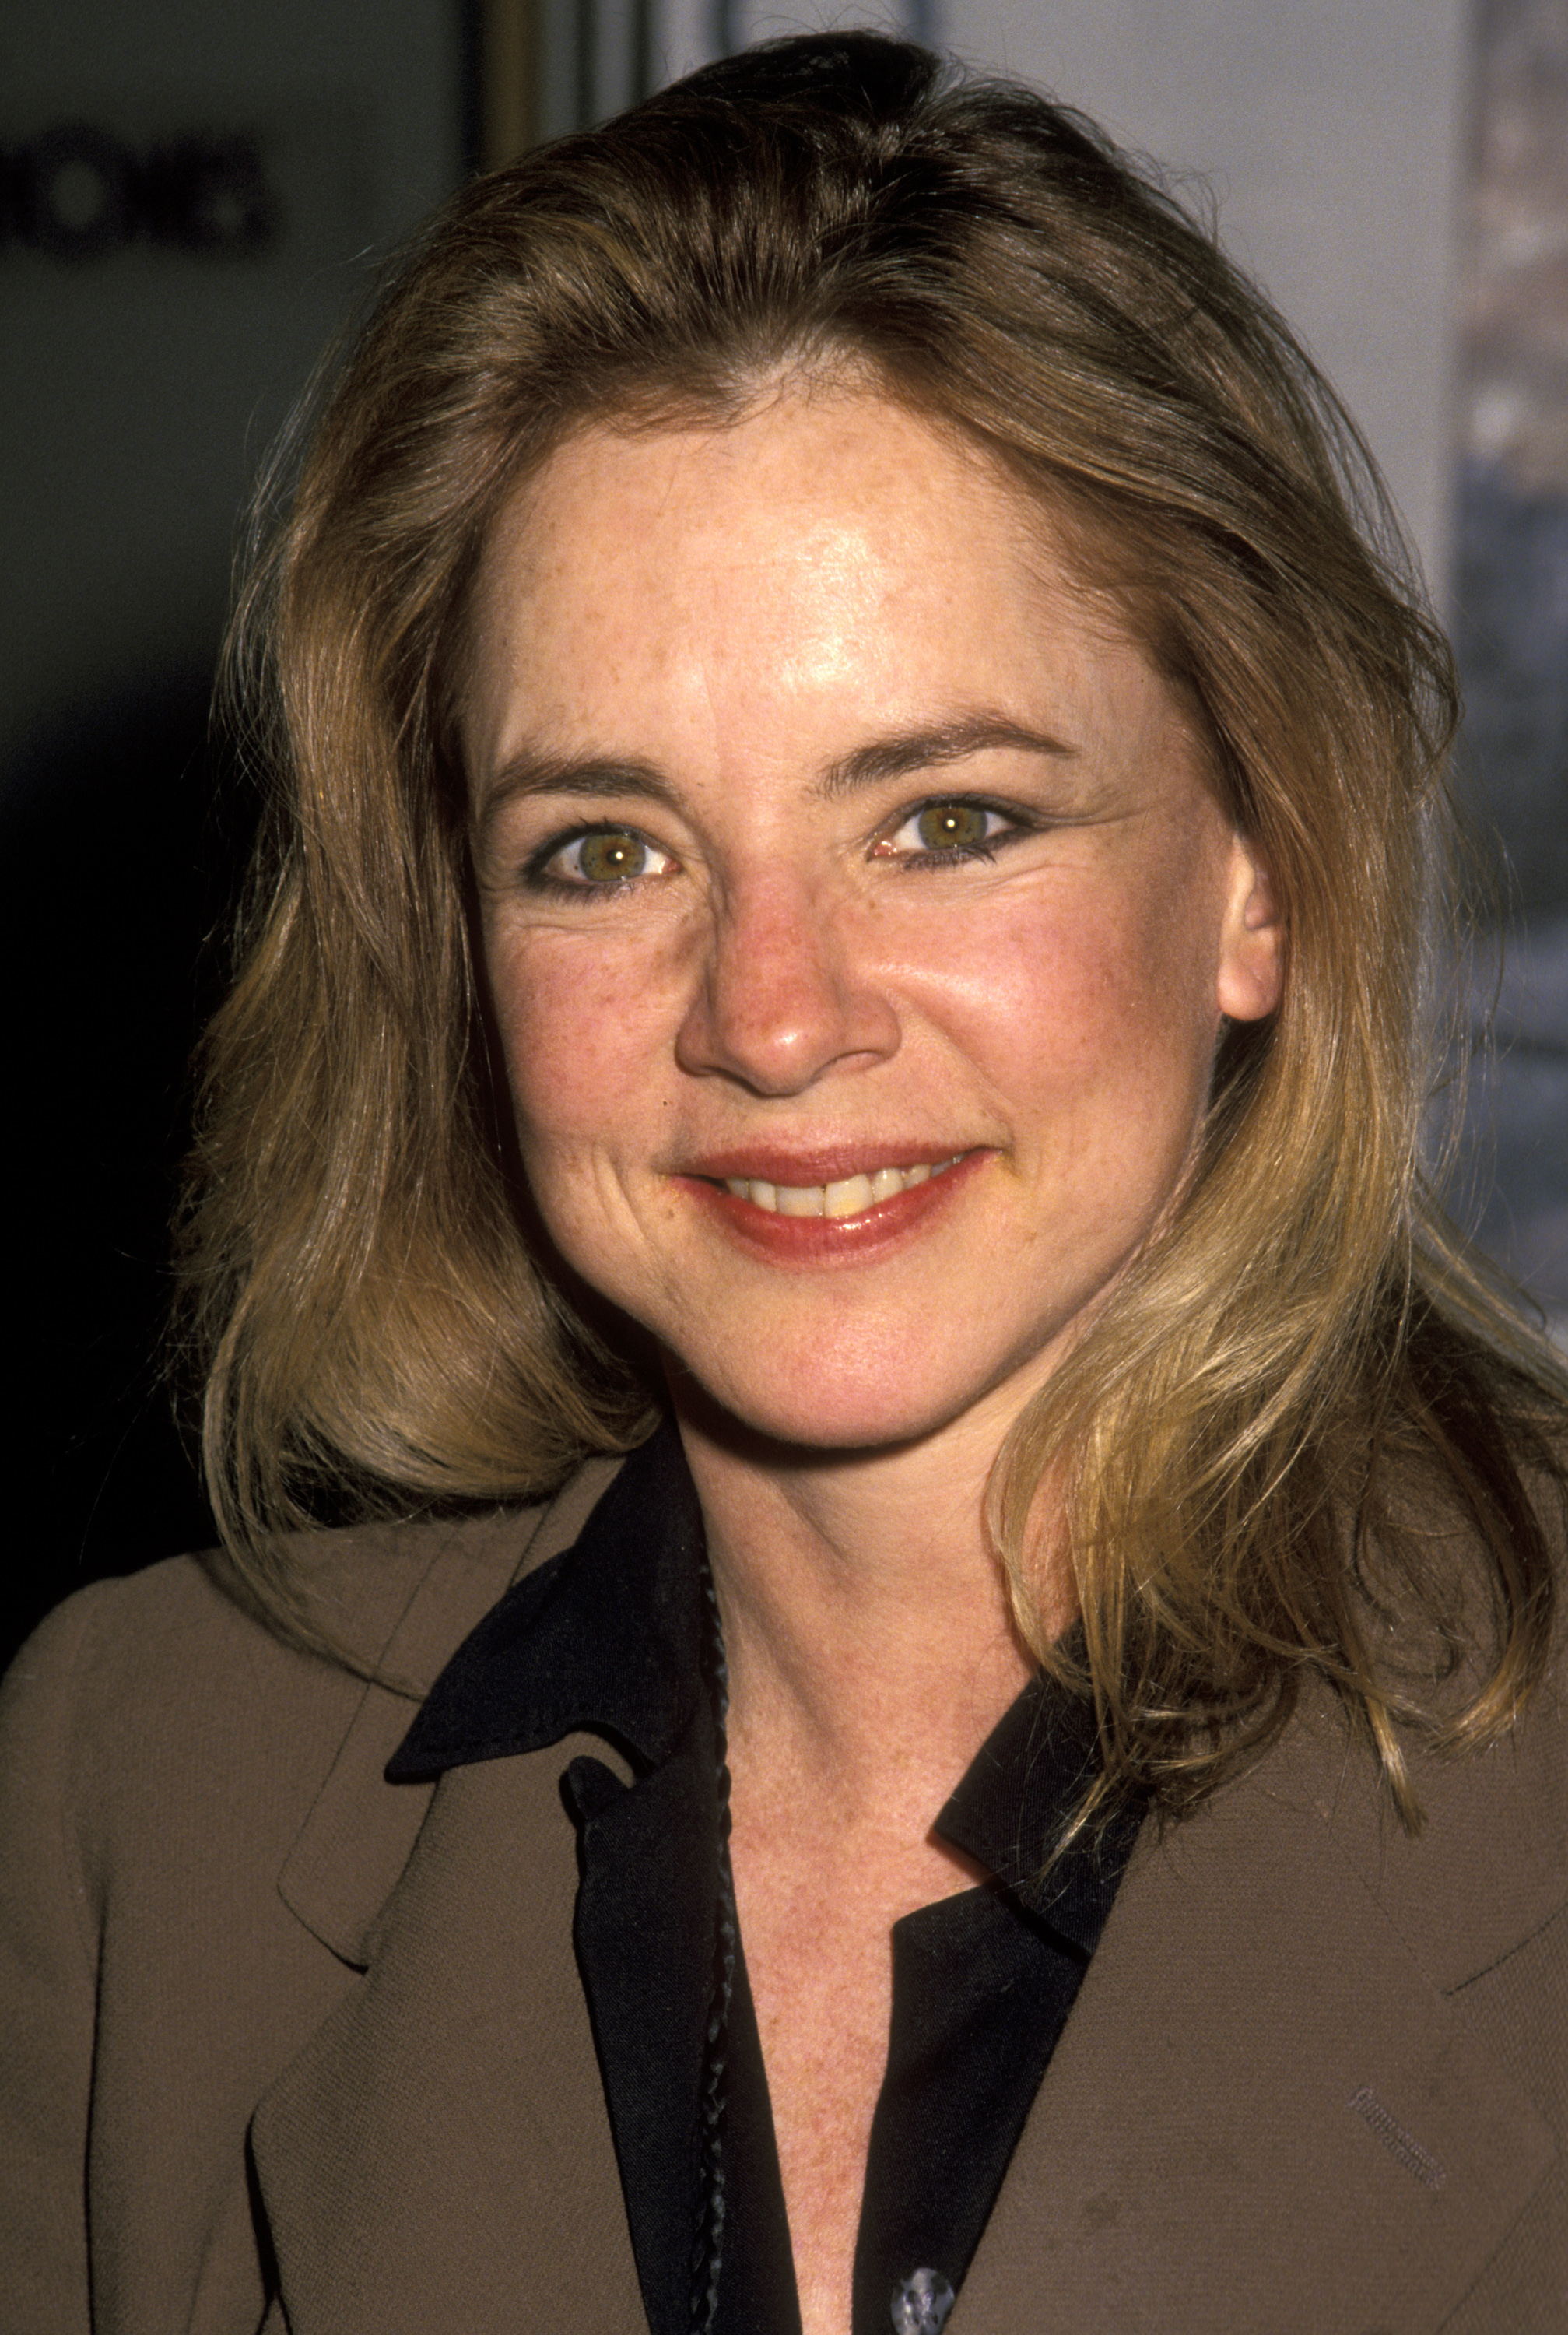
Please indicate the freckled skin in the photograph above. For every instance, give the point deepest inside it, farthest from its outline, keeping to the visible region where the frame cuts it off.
(739, 609)
(733, 615)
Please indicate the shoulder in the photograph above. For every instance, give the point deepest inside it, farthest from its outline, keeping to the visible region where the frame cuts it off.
(1480, 1650)
(1487, 1869)
(160, 1709)
(168, 1657)
(1481, 1874)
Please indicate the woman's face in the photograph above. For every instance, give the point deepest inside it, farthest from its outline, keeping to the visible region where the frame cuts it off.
(858, 921)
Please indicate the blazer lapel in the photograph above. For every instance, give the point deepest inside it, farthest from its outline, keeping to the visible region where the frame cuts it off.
(1263, 2113)
(438, 2158)
(359, 1834)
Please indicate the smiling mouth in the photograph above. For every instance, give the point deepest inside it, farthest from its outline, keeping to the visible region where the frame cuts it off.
(851, 1196)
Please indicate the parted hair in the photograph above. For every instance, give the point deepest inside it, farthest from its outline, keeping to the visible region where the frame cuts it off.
(1305, 1436)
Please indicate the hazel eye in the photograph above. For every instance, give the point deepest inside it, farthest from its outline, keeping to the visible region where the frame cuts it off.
(608, 858)
(953, 830)
(604, 857)
(953, 827)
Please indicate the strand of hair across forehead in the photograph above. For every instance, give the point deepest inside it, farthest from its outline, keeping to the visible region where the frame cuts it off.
(708, 2246)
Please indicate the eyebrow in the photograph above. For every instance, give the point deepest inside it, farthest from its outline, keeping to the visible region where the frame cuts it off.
(613, 778)
(606, 777)
(925, 749)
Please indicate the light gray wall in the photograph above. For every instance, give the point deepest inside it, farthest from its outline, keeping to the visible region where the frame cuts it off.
(1330, 132)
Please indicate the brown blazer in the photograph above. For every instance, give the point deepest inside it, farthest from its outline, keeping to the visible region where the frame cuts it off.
(283, 2027)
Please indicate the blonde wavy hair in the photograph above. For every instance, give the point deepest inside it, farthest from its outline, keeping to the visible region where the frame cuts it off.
(1304, 1404)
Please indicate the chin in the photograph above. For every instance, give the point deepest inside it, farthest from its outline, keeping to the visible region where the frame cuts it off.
(816, 1408)
(820, 1429)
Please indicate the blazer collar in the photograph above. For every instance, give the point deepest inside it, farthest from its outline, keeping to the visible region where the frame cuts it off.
(437, 2158)
(361, 1831)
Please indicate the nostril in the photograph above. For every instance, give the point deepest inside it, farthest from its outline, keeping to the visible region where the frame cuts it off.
(782, 1052)
(782, 1000)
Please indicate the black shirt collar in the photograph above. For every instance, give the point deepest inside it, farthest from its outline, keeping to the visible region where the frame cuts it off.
(1018, 1795)
(606, 1640)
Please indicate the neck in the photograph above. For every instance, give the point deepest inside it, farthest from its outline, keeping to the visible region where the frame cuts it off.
(867, 1625)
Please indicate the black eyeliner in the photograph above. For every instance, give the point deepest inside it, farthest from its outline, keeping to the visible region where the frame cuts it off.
(1024, 822)
(533, 871)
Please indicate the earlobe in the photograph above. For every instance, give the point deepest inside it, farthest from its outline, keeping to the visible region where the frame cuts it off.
(1251, 975)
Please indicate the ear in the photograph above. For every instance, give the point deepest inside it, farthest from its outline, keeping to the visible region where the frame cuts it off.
(1251, 975)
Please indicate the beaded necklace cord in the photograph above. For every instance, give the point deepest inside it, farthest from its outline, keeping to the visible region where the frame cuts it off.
(708, 2242)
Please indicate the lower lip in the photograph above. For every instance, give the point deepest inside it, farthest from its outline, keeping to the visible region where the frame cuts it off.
(832, 1240)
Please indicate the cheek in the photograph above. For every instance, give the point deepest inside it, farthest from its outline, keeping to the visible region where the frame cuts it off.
(1090, 1013)
(579, 1032)
(1091, 986)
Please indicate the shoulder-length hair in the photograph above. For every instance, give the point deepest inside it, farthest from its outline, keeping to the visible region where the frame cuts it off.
(1263, 1444)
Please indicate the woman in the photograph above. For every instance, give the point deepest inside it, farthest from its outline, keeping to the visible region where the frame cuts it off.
(855, 802)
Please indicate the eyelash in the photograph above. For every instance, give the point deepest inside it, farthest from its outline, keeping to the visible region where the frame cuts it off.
(536, 872)
(957, 854)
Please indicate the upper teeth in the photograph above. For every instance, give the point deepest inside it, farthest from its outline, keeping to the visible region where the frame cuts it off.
(848, 1199)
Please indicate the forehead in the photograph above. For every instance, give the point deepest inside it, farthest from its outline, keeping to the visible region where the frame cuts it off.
(814, 477)
(829, 558)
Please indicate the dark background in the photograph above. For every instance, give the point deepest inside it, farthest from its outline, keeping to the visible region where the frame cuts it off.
(192, 197)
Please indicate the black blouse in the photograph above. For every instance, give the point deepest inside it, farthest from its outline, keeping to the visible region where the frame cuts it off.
(607, 1640)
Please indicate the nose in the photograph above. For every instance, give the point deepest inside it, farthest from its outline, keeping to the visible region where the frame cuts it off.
(786, 991)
